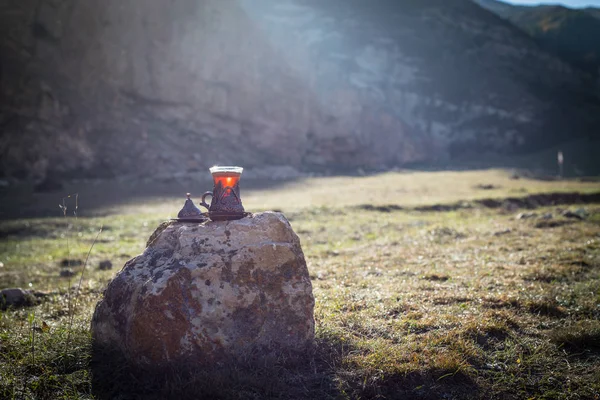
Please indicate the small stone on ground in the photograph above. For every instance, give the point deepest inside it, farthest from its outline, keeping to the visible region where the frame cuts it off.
(105, 265)
(16, 297)
(66, 273)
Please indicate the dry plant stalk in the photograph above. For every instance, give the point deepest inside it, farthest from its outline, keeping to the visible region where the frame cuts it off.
(73, 305)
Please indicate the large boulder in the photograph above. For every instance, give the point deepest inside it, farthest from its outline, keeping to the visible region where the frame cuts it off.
(210, 292)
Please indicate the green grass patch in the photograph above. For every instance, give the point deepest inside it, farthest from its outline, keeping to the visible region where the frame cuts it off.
(450, 302)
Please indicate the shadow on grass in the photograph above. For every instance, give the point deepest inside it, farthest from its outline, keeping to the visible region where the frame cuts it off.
(98, 197)
(322, 373)
(582, 337)
(115, 377)
(22, 201)
(546, 307)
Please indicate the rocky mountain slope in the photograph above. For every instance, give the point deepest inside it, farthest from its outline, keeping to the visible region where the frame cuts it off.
(572, 34)
(595, 11)
(122, 87)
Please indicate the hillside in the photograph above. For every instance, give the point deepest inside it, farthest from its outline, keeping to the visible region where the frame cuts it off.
(570, 33)
(104, 89)
(595, 11)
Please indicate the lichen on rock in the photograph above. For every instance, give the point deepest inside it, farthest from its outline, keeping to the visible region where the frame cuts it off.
(210, 292)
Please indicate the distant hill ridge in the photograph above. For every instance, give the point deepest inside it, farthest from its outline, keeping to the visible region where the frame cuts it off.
(572, 34)
(155, 88)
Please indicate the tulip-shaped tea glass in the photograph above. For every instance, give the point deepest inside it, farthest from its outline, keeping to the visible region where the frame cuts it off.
(226, 203)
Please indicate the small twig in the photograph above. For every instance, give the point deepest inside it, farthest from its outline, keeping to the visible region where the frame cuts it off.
(63, 207)
(31, 320)
(72, 311)
(33, 344)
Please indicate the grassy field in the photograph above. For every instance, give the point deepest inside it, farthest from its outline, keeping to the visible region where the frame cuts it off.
(423, 288)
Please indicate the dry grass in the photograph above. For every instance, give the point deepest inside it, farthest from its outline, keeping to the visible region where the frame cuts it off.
(466, 303)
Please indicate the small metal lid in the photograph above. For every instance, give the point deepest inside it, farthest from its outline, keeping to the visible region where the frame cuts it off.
(189, 210)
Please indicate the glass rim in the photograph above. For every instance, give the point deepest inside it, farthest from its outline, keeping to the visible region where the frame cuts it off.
(232, 169)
